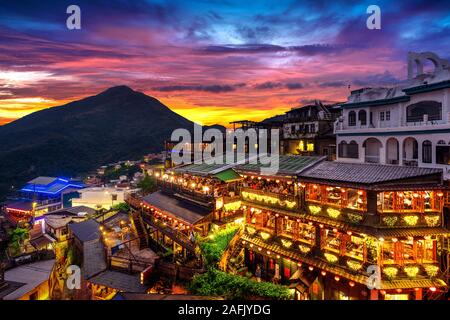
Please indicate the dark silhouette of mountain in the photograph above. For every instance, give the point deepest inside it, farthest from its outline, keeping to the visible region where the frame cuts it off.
(80, 136)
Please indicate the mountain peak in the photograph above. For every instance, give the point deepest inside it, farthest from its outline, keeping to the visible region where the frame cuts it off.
(118, 90)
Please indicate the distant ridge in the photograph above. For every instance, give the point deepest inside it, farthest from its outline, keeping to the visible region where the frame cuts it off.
(116, 124)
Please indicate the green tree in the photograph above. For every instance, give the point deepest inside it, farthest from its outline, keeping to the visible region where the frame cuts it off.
(16, 238)
(148, 184)
(123, 207)
(213, 246)
(218, 283)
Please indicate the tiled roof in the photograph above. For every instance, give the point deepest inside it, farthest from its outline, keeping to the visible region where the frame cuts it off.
(119, 281)
(411, 232)
(288, 165)
(86, 231)
(183, 210)
(364, 173)
(275, 248)
(94, 260)
(73, 210)
(42, 241)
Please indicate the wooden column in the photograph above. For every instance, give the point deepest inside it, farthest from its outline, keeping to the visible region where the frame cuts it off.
(371, 202)
(373, 294)
(318, 239)
(419, 294)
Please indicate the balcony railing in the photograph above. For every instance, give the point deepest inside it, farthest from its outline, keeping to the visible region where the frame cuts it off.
(175, 235)
(410, 162)
(173, 188)
(355, 264)
(335, 212)
(413, 219)
(274, 200)
(372, 159)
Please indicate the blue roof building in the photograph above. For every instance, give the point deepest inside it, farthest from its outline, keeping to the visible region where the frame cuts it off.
(50, 186)
(40, 196)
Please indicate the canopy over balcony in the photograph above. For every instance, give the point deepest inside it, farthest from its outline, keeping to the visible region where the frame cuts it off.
(183, 210)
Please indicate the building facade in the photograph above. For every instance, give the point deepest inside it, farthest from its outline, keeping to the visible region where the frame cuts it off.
(191, 199)
(320, 226)
(404, 125)
(308, 130)
(40, 196)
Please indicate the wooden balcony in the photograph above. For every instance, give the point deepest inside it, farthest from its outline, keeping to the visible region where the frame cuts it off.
(186, 193)
(269, 199)
(176, 235)
(410, 219)
(357, 217)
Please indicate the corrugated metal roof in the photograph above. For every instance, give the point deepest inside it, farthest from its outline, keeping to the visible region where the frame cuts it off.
(42, 180)
(184, 210)
(288, 165)
(119, 281)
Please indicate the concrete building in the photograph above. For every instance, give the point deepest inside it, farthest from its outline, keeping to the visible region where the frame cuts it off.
(40, 196)
(27, 282)
(101, 197)
(407, 124)
(308, 130)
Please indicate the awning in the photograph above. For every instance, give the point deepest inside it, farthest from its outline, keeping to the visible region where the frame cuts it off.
(119, 281)
(179, 209)
(42, 242)
(228, 175)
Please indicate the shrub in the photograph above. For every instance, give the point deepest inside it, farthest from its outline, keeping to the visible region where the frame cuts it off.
(218, 283)
(123, 207)
(215, 244)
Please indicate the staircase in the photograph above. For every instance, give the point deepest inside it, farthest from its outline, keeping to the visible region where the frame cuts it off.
(233, 249)
(232, 267)
(140, 230)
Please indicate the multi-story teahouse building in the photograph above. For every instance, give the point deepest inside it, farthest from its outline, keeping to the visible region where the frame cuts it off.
(318, 226)
(191, 200)
(323, 228)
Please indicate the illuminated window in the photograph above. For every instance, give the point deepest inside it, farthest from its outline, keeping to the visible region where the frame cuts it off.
(301, 145)
(396, 297)
(310, 147)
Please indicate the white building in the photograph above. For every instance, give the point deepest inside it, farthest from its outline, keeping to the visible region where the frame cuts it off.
(101, 197)
(408, 124)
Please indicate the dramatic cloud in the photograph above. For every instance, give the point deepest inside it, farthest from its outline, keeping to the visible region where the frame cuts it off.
(214, 88)
(269, 85)
(385, 78)
(210, 61)
(333, 84)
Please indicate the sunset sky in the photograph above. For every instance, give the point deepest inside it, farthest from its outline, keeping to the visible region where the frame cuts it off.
(210, 61)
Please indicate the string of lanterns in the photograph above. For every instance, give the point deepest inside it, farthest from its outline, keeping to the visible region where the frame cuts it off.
(337, 278)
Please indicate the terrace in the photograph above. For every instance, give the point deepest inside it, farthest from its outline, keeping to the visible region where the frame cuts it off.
(349, 254)
(201, 183)
(278, 190)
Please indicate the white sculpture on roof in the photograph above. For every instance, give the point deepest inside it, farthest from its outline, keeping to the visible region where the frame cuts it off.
(416, 62)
